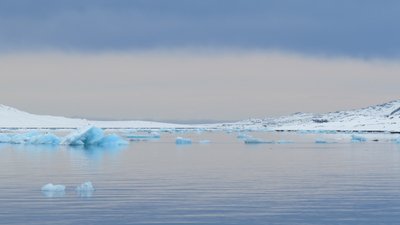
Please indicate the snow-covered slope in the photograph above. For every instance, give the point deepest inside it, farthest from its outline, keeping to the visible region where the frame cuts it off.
(384, 117)
(14, 118)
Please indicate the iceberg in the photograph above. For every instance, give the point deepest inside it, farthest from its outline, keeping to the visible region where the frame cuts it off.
(23, 138)
(242, 136)
(53, 187)
(204, 142)
(397, 140)
(183, 141)
(85, 187)
(93, 136)
(357, 139)
(45, 139)
(111, 140)
(252, 140)
(5, 138)
(321, 141)
(152, 135)
(33, 138)
(284, 142)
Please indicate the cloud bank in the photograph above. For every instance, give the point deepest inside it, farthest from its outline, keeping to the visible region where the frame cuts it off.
(358, 28)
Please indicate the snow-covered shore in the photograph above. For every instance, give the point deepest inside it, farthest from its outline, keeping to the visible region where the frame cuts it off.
(379, 118)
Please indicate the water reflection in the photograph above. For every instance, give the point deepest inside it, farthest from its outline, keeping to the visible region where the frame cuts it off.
(95, 152)
(84, 193)
(35, 148)
(53, 194)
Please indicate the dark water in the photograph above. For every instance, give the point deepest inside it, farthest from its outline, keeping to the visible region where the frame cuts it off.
(224, 182)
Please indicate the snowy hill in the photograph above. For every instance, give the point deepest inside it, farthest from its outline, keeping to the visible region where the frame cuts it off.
(14, 118)
(384, 117)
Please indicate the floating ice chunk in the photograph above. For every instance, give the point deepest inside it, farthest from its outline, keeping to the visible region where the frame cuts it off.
(252, 140)
(321, 141)
(45, 139)
(183, 141)
(31, 138)
(92, 136)
(85, 187)
(304, 132)
(111, 140)
(204, 142)
(284, 142)
(152, 135)
(356, 139)
(5, 138)
(23, 138)
(53, 187)
(397, 140)
(84, 136)
(242, 136)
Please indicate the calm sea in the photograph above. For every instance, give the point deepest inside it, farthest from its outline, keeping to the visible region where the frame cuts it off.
(223, 182)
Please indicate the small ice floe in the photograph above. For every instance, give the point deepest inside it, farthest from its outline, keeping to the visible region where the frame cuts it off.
(183, 141)
(5, 138)
(357, 139)
(204, 142)
(252, 140)
(85, 189)
(45, 139)
(53, 190)
(53, 187)
(396, 140)
(284, 142)
(321, 141)
(30, 138)
(242, 136)
(148, 136)
(87, 186)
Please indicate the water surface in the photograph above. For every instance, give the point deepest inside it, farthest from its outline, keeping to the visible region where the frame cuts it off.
(224, 182)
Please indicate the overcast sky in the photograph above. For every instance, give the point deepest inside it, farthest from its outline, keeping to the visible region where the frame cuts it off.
(187, 59)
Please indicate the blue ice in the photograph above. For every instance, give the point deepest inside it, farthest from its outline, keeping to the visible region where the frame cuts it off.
(45, 139)
(356, 138)
(204, 142)
(284, 142)
(397, 140)
(252, 140)
(321, 141)
(5, 138)
(152, 135)
(242, 136)
(33, 138)
(93, 136)
(183, 141)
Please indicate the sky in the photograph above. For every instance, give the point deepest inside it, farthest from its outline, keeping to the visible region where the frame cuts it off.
(197, 60)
